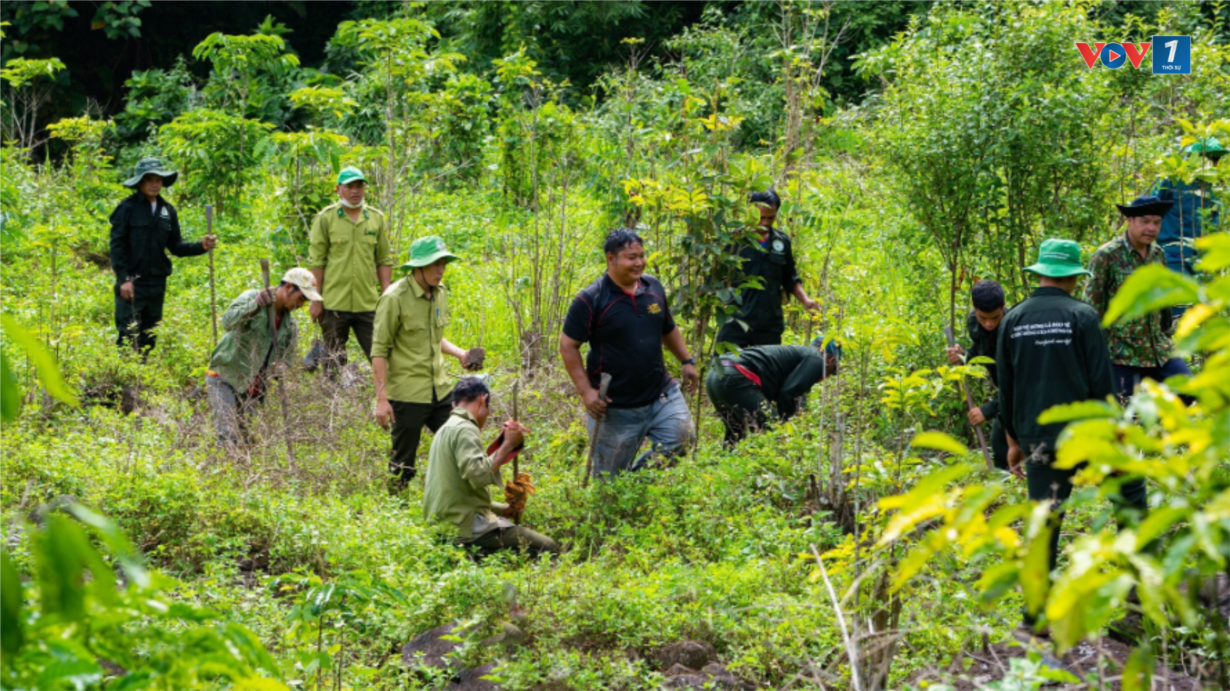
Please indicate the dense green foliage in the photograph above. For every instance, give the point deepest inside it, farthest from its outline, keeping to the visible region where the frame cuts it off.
(939, 155)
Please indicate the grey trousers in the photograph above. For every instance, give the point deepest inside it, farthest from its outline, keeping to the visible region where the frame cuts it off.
(231, 409)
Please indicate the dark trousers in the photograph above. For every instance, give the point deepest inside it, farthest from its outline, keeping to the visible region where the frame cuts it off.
(135, 319)
(408, 422)
(1046, 482)
(738, 402)
(999, 445)
(1127, 378)
(336, 326)
(516, 537)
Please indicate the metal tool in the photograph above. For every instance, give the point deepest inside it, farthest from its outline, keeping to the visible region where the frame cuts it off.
(593, 442)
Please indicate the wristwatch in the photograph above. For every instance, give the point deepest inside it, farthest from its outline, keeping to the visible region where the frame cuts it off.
(689, 361)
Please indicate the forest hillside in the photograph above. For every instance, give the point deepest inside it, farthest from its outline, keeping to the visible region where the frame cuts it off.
(862, 543)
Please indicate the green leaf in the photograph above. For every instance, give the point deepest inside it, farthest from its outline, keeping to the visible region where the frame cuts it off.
(12, 634)
(1035, 571)
(44, 363)
(940, 442)
(10, 391)
(1138, 672)
(1149, 289)
(1083, 410)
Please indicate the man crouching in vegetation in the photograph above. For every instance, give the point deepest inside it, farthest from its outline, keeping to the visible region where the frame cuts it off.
(742, 386)
(626, 321)
(144, 227)
(982, 325)
(460, 475)
(408, 348)
(1051, 352)
(244, 357)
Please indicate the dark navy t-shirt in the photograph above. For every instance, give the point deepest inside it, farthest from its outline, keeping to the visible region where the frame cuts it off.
(624, 333)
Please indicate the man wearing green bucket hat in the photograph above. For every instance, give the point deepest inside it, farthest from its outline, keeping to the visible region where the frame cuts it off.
(413, 389)
(1051, 352)
(144, 227)
(350, 258)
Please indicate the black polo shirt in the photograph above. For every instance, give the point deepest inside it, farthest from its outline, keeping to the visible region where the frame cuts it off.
(624, 333)
(761, 308)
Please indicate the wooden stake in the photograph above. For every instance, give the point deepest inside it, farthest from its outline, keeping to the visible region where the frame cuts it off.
(213, 294)
(593, 442)
(273, 326)
(969, 402)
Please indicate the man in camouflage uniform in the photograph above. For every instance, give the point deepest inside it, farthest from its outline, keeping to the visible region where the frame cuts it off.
(1141, 347)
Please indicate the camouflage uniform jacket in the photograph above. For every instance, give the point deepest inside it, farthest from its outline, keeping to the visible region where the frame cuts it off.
(1142, 342)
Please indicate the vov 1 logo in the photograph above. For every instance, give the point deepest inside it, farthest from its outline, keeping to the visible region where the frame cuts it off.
(1113, 55)
(1174, 55)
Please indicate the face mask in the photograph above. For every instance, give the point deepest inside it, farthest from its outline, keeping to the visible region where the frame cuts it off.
(348, 205)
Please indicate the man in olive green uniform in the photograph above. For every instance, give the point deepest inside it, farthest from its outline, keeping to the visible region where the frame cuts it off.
(350, 258)
(460, 474)
(742, 386)
(1051, 352)
(244, 356)
(408, 348)
(982, 325)
(144, 227)
(1140, 348)
(771, 260)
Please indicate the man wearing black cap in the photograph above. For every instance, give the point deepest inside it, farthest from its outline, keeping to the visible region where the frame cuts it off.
(144, 227)
(759, 319)
(741, 387)
(1141, 347)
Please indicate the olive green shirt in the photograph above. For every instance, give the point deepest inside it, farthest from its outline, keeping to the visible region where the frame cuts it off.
(459, 477)
(408, 331)
(349, 254)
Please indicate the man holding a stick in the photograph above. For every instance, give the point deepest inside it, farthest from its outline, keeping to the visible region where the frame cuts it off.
(413, 389)
(460, 475)
(244, 359)
(351, 260)
(144, 227)
(982, 325)
(625, 318)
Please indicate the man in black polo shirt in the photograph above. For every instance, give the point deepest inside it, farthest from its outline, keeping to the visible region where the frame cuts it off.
(626, 321)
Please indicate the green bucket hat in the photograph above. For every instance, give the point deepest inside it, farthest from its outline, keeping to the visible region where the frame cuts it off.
(151, 165)
(1208, 147)
(350, 174)
(1059, 259)
(427, 251)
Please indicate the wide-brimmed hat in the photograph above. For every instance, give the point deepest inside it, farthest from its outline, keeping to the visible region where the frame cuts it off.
(350, 174)
(303, 280)
(427, 251)
(1208, 147)
(1148, 205)
(1059, 259)
(147, 166)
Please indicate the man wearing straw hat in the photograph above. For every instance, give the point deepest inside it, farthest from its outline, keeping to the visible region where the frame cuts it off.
(350, 258)
(413, 389)
(144, 227)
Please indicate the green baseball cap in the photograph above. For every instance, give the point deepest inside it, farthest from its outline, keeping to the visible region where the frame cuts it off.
(350, 174)
(1208, 147)
(427, 251)
(1059, 259)
(147, 166)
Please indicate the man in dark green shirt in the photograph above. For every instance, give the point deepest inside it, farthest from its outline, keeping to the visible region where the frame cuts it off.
(759, 319)
(1052, 351)
(742, 386)
(982, 325)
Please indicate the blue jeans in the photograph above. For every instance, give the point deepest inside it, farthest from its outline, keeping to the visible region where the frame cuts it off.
(1127, 378)
(666, 422)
